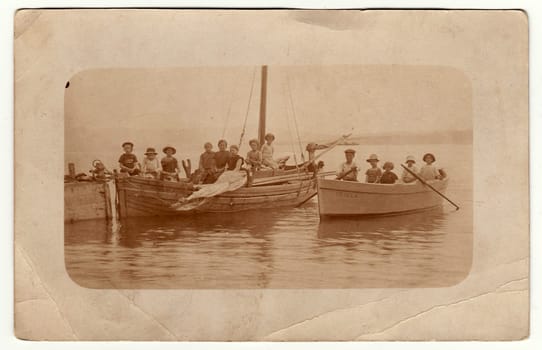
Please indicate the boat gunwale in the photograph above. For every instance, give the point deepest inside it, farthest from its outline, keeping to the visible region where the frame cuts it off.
(142, 181)
(374, 189)
(169, 185)
(248, 192)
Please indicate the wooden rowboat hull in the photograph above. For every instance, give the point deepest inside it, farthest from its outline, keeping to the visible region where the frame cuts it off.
(346, 198)
(138, 196)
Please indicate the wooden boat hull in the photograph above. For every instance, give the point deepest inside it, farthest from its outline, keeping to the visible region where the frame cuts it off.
(346, 198)
(139, 196)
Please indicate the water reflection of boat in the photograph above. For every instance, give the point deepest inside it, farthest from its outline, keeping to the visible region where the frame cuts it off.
(398, 251)
(135, 230)
(344, 198)
(409, 224)
(200, 245)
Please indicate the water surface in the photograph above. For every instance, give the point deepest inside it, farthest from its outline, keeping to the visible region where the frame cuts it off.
(282, 248)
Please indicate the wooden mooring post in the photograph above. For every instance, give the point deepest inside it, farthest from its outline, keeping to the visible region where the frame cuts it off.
(71, 170)
(121, 197)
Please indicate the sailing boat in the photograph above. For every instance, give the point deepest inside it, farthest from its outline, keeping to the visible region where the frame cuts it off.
(288, 187)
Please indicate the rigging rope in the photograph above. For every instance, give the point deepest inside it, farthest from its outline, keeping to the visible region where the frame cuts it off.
(292, 138)
(295, 119)
(248, 109)
(229, 112)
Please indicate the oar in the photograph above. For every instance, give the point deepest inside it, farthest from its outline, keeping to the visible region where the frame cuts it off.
(431, 187)
(308, 199)
(326, 173)
(348, 172)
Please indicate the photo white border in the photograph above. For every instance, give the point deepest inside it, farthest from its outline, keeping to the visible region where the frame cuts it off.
(7, 10)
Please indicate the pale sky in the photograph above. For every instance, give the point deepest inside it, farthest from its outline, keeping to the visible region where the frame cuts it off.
(196, 104)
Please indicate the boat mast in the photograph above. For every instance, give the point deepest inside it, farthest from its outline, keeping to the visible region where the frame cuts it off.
(263, 102)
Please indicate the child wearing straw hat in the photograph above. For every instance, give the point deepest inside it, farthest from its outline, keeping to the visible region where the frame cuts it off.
(268, 151)
(170, 165)
(406, 176)
(150, 167)
(429, 171)
(373, 174)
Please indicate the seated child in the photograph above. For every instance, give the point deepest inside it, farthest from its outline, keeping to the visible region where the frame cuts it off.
(388, 177)
(222, 156)
(429, 171)
(207, 165)
(150, 167)
(267, 154)
(128, 161)
(372, 175)
(235, 161)
(348, 170)
(406, 176)
(254, 157)
(170, 166)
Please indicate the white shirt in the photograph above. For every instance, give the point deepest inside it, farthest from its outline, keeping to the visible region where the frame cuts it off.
(150, 165)
(429, 172)
(408, 177)
(346, 167)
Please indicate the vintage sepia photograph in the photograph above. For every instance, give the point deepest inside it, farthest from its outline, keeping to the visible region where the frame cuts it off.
(271, 175)
(339, 176)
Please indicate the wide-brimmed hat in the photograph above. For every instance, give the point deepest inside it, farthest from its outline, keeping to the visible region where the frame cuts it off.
(388, 165)
(269, 135)
(410, 159)
(169, 147)
(372, 157)
(429, 155)
(350, 150)
(127, 143)
(254, 141)
(150, 150)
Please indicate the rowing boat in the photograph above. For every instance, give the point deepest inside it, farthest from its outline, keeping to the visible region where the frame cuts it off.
(348, 198)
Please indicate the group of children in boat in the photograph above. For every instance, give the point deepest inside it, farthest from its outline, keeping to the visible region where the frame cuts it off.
(211, 164)
(349, 170)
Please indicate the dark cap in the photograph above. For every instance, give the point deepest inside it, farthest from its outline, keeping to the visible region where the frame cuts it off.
(127, 143)
(350, 150)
